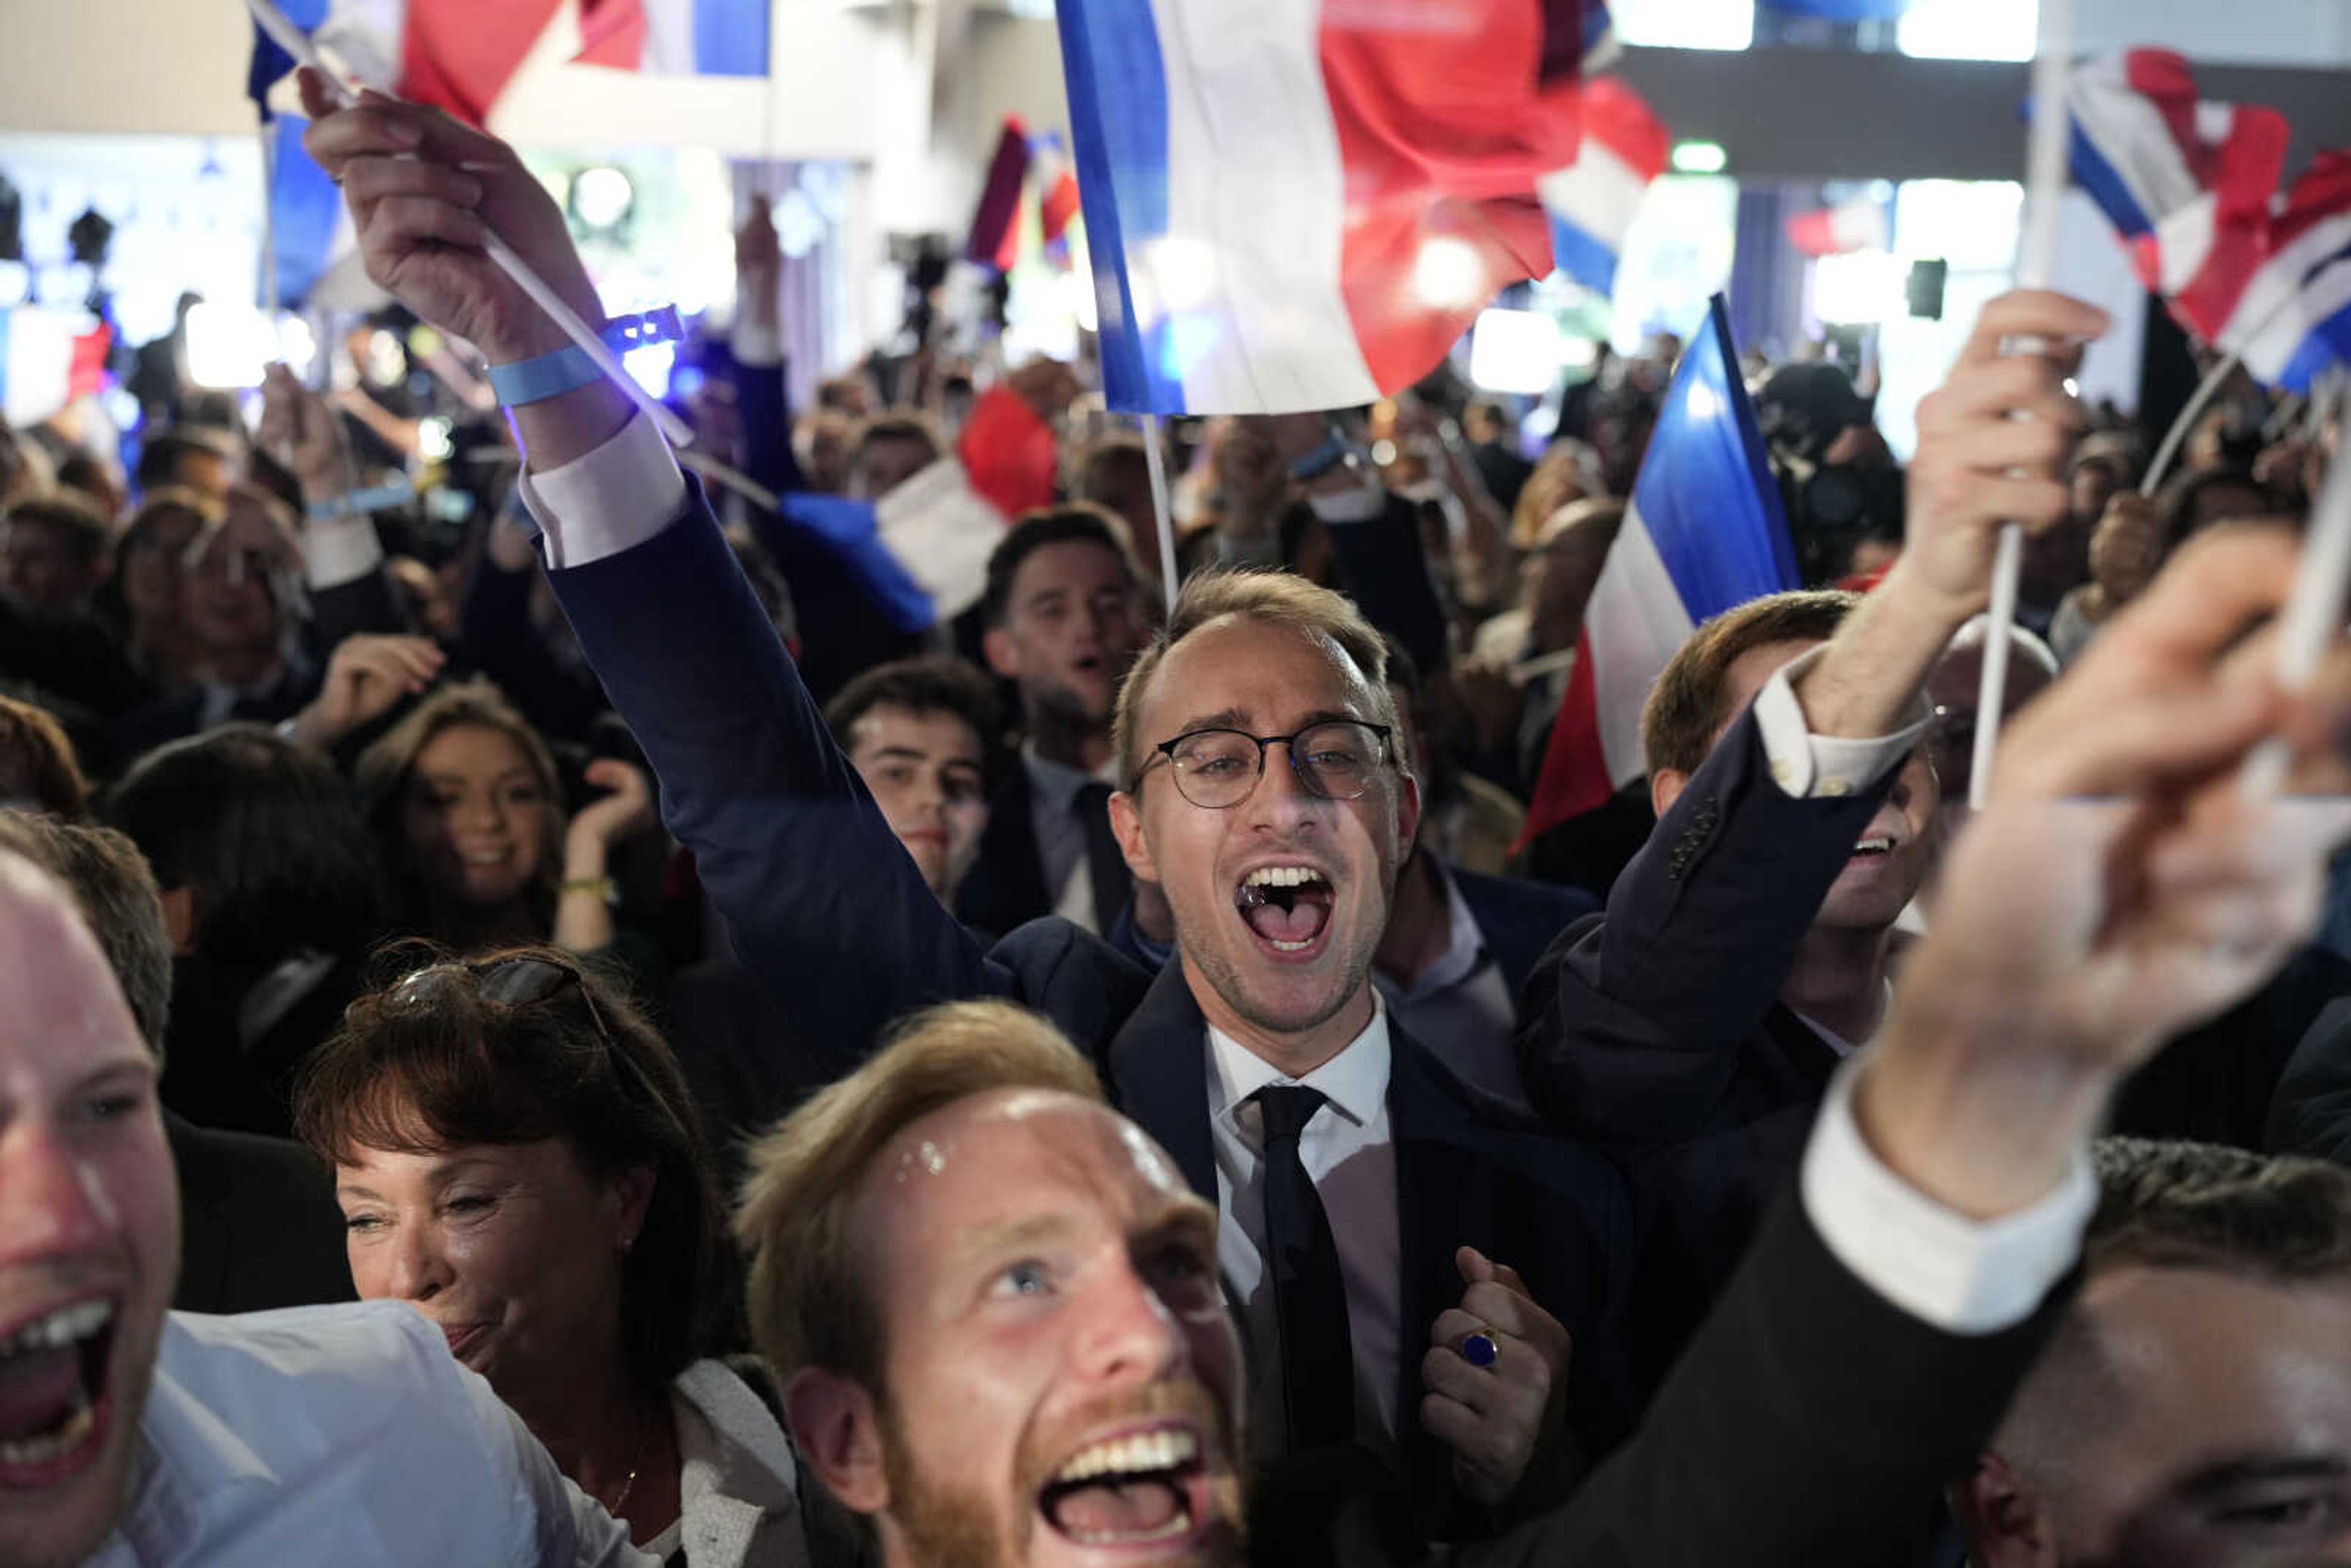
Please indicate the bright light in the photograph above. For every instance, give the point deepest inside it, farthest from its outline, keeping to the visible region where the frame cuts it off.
(296, 345)
(1577, 354)
(1448, 273)
(1515, 351)
(433, 439)
(228, 344)
(1184, 270)
(1700, 157)
(1075, 290)
(1685, 24)
(601, 196)
(1970, 29)
(650, 366)
(1859, 287)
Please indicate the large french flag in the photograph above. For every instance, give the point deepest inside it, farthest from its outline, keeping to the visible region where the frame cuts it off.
(1593, 201)
(1301, 205)
(1704, 532)
(2186, 183)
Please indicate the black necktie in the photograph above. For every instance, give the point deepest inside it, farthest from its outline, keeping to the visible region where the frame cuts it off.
(1105, 864)
(1309, 1297)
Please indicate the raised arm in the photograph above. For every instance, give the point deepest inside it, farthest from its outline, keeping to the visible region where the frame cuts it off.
(823, 903)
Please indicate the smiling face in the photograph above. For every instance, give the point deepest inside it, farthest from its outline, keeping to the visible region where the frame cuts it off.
(1062, 1380)
(228, 595)
(2221, 1434)
(1071, 632)
(89, 1230)
(475, 816)
(1280, 900)
(513, 1250)
(926, 771)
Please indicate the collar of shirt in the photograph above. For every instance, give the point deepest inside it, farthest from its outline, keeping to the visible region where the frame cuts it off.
(1355, 1081)
(1056, 784)
(1838, 1043)
(1465, 950)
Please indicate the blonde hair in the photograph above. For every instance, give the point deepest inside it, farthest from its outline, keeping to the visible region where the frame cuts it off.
(1276, 599)
(808, 1305)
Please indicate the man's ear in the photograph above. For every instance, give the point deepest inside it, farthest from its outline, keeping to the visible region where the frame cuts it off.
(1003, 658)
(839, 1434)
(1407, 817)
(1665, 786)
(179, 919)
(2003, 1515)
(1126, 825)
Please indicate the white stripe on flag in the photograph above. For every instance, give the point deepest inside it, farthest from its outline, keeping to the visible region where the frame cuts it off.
(1599, 194)
(2265, 330)
(1635, 622)
(2135, 138)
(941, 530)
(1250, 268)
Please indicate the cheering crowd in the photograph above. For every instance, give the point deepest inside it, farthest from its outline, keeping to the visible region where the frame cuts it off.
(1074, 1080)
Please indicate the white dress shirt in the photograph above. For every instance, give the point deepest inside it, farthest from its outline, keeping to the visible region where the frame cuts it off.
(737, 1485)
(1953, 1273)
(346, 1436)
(1461, 1008)
(1350, 1155)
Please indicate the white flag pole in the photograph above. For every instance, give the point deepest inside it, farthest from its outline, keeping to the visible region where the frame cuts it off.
(2045, 194)
(2312, 617)
(269, 224)
(1157, 464)
(297, 43)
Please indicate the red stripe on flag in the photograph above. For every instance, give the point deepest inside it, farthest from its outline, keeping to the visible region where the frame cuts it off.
(612, 34)
(87, 373)
(459, 54)
(1060, 205)
(1008, 454)
(996, 227)
(1574, 774)
(1443, 126)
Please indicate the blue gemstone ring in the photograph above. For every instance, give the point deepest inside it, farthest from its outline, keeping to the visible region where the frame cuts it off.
(1479, 1350)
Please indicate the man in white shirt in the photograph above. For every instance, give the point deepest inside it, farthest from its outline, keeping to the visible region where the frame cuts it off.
(133, 1437)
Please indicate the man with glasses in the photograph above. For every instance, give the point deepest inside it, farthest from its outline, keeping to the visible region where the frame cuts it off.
(1376, 1207)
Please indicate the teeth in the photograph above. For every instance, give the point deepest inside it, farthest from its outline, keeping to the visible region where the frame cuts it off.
(1879, 845)
(1280, 946)
(68, 1325)
(54, 1445)
(1281, 876)
(1138, 1455)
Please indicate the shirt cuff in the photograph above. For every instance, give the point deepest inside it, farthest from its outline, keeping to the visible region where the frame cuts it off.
(754, 343)
(1810, 767)
(1960, 1275)
(607, 501)
(339, 551)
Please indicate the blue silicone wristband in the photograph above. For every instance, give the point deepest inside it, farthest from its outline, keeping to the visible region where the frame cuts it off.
(549, 375)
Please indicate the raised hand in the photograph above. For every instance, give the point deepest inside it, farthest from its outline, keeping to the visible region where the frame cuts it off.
(300, 431)
(627, 805)
(1497, 1417)
(366, 674)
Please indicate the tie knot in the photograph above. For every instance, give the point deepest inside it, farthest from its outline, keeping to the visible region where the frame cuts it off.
(1287, 1108)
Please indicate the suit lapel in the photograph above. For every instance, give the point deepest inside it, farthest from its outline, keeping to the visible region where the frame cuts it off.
(1159, 1075)
(1006, 885)
(204, 1234)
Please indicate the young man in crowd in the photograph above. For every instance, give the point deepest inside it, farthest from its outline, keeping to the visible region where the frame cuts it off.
(990, 1299)
(2193, 1409)
(132, 1435)
(1399, 1197)
(52, 555)
(1066, 617)
(1744, 953)
(919, 733)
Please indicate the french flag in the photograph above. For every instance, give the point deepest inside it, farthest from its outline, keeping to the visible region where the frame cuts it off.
(1593, 201)
(48, 357)
(2293, 319)
(1704, 532)
(2186, 183)
(1302, 204)
(1840, 10)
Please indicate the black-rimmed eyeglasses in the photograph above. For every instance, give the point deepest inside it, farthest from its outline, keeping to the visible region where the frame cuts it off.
(1335, 760)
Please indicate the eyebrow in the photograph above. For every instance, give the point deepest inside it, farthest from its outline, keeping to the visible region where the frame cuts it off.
(1011, 1234)
(440, 1176)
(2256, 1468)
(527, 775)
(142, 1067)
(1238, 718)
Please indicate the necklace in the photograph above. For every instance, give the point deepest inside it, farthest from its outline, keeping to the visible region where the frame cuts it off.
(636, 1461)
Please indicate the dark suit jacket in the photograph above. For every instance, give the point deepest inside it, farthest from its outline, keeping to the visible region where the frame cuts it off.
(2312, 1114)
(1655, 1030)
(1812, 1425)
(1005, 888)
(827, 910)
(1519, 919)
(259, 1225)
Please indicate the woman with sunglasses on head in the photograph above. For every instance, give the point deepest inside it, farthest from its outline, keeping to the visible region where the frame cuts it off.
(517, 1156)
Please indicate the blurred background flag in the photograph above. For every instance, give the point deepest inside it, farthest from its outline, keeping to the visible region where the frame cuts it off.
(1301, 205)
(1592, 201)
(1704, 532)
(2294, 317)
(1840, 10)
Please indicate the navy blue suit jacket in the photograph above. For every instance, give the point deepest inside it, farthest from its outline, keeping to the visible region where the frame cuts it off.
(828, 913)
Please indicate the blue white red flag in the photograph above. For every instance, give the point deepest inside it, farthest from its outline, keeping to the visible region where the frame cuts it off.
(1593, 201)
(1704, 532)
(2293, 318)
(1299, 204)
(1840, 10)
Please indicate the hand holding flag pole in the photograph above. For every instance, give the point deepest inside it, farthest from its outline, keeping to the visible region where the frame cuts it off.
(297, 43)
(2044, 192)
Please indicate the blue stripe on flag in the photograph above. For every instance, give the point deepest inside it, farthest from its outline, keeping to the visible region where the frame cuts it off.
(304, 208)
(851, 531)
(2096, 174)
(271, 63)
(1705, 491)
(1583, 257)
(1118, 123)
(1840, 10)
(730, 37)
(2327, 343)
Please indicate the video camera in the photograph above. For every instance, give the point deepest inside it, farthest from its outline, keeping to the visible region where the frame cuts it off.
(1833, 506)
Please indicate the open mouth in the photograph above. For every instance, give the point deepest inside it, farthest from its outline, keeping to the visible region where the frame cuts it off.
(1141, 1488)
(52, 1406)
(1287, 908)
(1874, 847)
